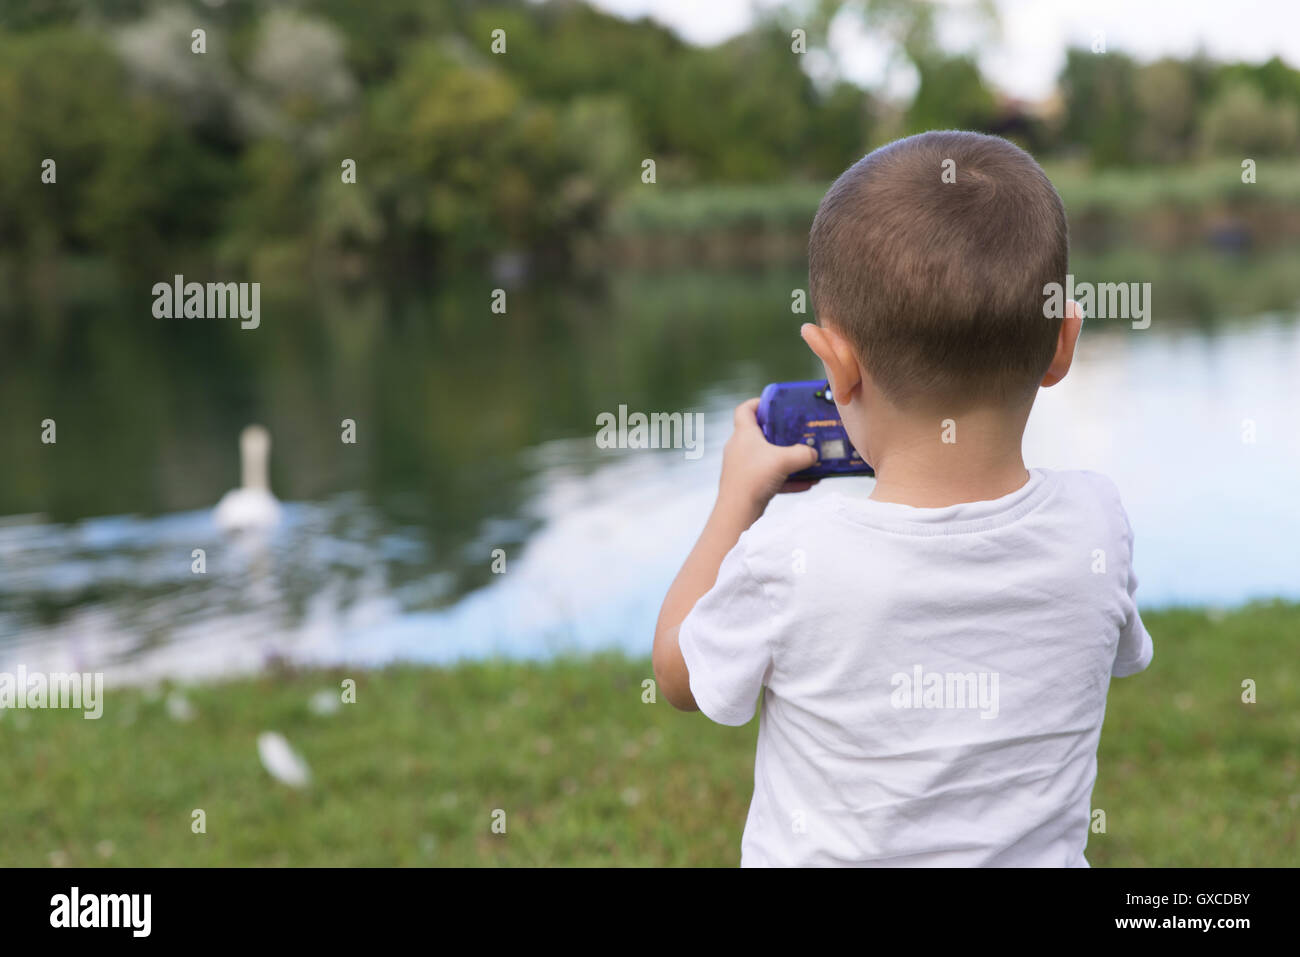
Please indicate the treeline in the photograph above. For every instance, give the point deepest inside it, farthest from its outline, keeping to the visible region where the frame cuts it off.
(461, 152)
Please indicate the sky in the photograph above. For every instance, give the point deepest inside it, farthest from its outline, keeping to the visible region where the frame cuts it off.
(1027, 58)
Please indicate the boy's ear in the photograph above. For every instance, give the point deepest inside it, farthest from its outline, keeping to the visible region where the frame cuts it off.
(838, 358)
(1071, 325)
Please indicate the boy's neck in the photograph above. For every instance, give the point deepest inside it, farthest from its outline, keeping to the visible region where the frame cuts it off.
(930, 462)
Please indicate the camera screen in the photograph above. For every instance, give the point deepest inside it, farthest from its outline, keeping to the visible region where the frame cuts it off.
(834, 449)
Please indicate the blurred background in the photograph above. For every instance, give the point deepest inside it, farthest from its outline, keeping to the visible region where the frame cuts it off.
(520, 168)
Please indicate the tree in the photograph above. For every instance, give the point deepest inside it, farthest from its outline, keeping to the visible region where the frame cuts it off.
(1101, 113)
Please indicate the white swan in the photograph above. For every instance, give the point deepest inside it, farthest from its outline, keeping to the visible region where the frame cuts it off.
(252, 505)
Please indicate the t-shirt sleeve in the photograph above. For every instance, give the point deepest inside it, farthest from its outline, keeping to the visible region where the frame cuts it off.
(726, 642)
(1135, 649)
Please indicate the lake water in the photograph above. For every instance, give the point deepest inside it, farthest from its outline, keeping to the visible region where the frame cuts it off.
(476, 432)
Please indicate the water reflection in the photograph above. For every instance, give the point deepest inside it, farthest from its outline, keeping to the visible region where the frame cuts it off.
(477, 438)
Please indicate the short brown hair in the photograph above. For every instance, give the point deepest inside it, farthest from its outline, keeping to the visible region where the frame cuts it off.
(939, 285)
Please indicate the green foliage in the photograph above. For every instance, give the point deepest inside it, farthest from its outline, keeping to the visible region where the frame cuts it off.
(589, 775)
(951, 95)
(55, 114)
(1101, 106)
(1166, 98)
(1242, 122)
(464, 153)
(455, 149)
(744, 110)
(127, 178)
(839, 132)
(1275, 81)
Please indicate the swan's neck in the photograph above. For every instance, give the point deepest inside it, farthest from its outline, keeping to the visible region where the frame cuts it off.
(253, 466)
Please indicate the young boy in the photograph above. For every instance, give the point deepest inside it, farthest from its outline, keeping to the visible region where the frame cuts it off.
(935, 657)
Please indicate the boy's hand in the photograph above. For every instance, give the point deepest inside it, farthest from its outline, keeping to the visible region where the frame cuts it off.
(753, 469)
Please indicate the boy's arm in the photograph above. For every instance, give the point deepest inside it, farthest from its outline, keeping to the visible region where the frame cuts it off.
(753, 470)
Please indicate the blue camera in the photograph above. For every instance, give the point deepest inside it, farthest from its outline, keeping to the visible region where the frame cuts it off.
(804, 413)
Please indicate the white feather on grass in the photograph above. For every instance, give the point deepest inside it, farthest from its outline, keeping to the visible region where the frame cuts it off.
(281, 761)
(325, 702)
(179, 707)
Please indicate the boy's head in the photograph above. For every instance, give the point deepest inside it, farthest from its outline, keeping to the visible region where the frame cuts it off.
(929, 256)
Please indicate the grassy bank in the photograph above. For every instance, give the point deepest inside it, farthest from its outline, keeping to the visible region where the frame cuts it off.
(587, 774)
(1164, 208)
(670, 209)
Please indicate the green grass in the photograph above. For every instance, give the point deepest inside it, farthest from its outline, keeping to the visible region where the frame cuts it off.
(1185, 185)
(587, 774)
(674, 210)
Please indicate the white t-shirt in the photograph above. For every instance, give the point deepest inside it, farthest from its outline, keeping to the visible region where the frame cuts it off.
(936, 677)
